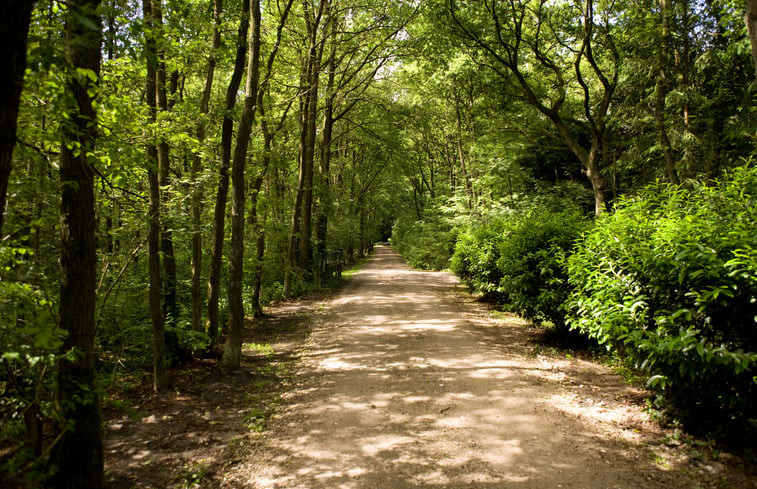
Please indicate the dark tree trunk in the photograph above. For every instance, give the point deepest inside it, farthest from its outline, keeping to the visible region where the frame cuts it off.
(324, 187)
(15, 16)
(78, 455)
(309, 94)
(232, 354)
(170, 301)
(219, 212)
(255, 222)
(195, 213)
(750, 19)
(661, 89)
(160, 373)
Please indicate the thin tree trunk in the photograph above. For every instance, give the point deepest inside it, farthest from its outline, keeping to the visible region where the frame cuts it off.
(461, 155)
(170, 301)
(750, 19)
(324, 188)
(307, 152)
(232, 354)
(79, 453)
(160, 373)
(195, 212)
(219, 212)
(15, 16)
(660, 93)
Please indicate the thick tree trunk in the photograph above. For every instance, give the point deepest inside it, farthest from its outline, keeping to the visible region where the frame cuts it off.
(78, 455)
(160, 373)
(232, 354)
(219, 212)
(15, 16)
(195, 213)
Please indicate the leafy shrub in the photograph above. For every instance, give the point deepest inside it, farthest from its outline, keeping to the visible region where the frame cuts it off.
(425, 244)
(477, 252)
(533, 281)
(516, 259)
(670, 279)
(30, 343)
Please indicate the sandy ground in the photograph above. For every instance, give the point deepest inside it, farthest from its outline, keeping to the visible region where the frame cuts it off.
(403, 381)
(403, 384)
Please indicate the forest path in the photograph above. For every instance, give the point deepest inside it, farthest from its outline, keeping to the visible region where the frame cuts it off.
(404, 383)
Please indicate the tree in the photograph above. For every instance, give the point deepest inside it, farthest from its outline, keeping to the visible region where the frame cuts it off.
(310, 70)
(532, 48)
(196, 210)
(160, 372)
(78, 456)
(219, 210)
(661, 91)
(15, 16)
(750, 19)
(232, 354)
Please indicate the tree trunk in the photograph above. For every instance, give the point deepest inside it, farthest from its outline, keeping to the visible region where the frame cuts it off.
(232, 354)
(219, 212)
(160, 373)
(195, 213)
(750, 19)
(170, 301)
(257, 226)
(324, 187)
(307, 140)
(660, 93)
(462, 156)
(78, 455)
(15, 16)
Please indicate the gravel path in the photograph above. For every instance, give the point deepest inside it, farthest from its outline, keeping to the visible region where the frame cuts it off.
(404, 383)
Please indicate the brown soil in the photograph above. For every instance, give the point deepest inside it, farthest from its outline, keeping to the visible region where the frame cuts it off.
(402, 381)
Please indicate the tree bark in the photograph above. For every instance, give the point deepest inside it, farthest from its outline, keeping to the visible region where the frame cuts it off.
(160, 372)
(170, 300)
(15, 16)
(219, 212)
(307, 139)
(324, 187)
(660, 93)
(232, 354)
(302, 210)
(196, 212)
(78, 455)
(750, 19)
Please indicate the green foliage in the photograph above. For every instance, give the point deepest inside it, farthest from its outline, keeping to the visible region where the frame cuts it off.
(425, 244)
(516, 258)
(29, 350)
(670, 280)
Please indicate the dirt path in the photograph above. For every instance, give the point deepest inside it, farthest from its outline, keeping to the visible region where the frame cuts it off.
(405, 384)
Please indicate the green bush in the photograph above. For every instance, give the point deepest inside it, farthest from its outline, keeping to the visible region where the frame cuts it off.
(515, 259)
(533, 281)
(425, 244)
(669, 280)
(477, 252)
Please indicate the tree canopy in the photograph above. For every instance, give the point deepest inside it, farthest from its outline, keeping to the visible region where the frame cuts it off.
(133, 131)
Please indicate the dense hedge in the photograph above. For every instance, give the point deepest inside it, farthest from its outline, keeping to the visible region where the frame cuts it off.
(669, 279)
(515, 259)
(425, 244)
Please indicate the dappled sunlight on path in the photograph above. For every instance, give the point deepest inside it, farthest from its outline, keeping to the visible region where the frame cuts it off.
(402, 386)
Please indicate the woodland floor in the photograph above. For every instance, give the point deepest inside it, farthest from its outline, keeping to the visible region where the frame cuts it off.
(402, 380)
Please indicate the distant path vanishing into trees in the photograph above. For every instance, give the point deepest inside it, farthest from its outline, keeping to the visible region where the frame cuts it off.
(406, 383)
